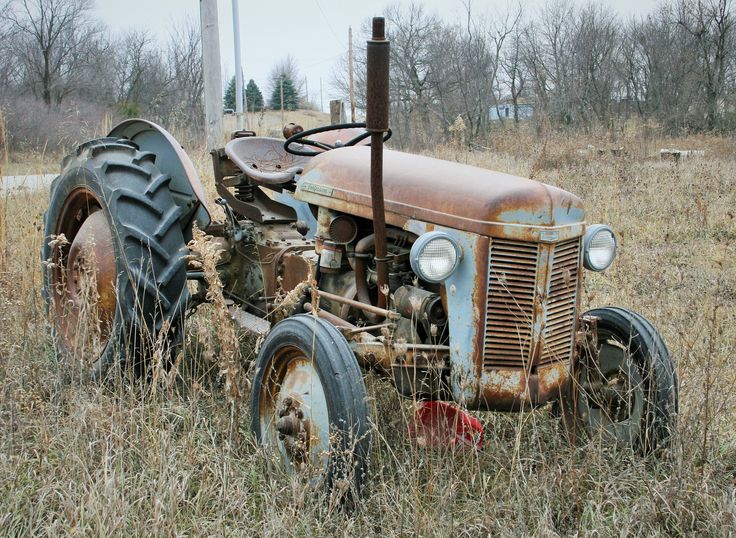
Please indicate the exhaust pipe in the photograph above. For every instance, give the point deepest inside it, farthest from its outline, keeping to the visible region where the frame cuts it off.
(378, 51)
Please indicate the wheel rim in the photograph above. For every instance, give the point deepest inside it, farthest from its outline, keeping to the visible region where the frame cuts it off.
(294, 414)
(84, 273)
(611, 395)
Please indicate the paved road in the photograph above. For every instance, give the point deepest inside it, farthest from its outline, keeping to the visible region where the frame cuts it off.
(16, 183)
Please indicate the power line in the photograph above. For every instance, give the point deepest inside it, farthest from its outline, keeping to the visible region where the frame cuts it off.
(324, 16)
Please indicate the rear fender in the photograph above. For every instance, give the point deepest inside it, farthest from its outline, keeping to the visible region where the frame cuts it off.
(171, 159)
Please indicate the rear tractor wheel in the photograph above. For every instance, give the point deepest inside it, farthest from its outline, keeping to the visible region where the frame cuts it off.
(115, 266)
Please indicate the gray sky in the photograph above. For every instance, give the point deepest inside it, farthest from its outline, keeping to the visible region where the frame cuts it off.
(314, 32)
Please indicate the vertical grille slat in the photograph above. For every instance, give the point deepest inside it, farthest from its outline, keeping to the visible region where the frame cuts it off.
(510, 341)
(512, 267)
(561, 303)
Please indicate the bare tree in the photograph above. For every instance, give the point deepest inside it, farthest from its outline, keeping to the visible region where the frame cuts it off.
(186, 79)
(134, 60)
(439, 71)
(548, 56)
(633, 70)
(512, 64)
(499, 33)
(9, 65)
(571, 56)
(53, 43)
(595, 42)
(660, 70)
(710, 23)
(411, 31)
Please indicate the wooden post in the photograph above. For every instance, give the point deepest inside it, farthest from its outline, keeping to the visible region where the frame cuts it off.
(350, 74)
(212, 72)
(337, 112)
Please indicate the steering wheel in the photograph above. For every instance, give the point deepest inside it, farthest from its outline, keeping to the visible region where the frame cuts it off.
(303, 139)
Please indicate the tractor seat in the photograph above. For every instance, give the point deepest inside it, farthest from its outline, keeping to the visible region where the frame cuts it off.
(264, 159)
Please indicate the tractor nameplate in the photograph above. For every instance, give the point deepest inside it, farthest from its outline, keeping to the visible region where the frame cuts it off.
(549, 236)
(317, 189)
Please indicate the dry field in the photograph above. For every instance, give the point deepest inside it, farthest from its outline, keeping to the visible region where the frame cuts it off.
(269, 122)
(128, 460)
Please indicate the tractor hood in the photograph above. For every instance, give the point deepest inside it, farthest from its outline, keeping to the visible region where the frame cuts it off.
(439, 192)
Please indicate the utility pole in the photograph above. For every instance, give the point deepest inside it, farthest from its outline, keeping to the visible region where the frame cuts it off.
(238, 66)
(212, 72)
(321, 101)
(350, 74)
(306, 89)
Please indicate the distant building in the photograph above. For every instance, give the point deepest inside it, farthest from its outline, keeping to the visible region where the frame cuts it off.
(505, 111)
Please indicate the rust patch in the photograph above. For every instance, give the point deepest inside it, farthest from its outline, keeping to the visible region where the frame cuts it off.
(90, 255)
(441, 192)
(480, 287)
(512, 390)
(294, 270)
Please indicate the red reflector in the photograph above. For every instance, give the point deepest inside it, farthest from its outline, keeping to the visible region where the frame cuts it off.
(442, 424)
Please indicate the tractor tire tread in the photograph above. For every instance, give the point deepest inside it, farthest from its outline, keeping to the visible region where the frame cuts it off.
(144, 218)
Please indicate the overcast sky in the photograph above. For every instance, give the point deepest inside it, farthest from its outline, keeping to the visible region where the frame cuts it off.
(314, 32)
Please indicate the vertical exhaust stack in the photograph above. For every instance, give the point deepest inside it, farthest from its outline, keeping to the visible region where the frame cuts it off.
(378, 50)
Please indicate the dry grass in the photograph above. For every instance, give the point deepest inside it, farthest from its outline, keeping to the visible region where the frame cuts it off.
(271, 122)
(30, 165)
(77, 459)
(46, 161)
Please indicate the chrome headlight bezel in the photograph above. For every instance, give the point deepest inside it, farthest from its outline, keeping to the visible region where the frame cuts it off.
(590, 234)
(418, 249)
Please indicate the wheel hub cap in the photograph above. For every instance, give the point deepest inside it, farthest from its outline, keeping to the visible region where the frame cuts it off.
(91, 261)
(85, 273)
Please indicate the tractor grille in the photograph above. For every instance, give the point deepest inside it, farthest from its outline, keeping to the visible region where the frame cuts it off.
(561, 303)
(515, 281)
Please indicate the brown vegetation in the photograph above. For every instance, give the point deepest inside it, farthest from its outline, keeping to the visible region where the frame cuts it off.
(79, 459)
(578, 65)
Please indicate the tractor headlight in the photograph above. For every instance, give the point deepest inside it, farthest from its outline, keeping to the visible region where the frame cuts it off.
(435, 256)
(599, 247)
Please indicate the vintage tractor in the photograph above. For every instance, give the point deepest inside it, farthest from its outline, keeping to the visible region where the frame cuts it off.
(457, 284)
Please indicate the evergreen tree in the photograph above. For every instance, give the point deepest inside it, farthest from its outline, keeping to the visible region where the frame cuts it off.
(253, 97)
(291, 97)
(229, 100)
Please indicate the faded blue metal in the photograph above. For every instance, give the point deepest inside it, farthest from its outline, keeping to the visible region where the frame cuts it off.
(462, 315)
(544, 214)
(302, 210)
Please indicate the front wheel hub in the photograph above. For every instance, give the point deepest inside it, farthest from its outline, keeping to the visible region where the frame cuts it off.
(294, 430)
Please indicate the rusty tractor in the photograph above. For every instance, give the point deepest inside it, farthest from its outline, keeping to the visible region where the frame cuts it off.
(458, 284)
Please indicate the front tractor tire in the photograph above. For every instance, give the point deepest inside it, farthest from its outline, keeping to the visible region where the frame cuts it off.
(308, 405)
(624, 388)
(114, 259)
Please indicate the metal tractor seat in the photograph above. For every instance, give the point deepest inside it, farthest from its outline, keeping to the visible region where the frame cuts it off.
(264, 159)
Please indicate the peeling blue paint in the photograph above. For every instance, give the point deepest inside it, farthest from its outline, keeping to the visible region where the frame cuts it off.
(463, 324)
(302, 211)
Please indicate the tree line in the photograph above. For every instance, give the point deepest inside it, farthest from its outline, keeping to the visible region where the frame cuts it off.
(61, 68)
(577, 65)
(63, 73)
